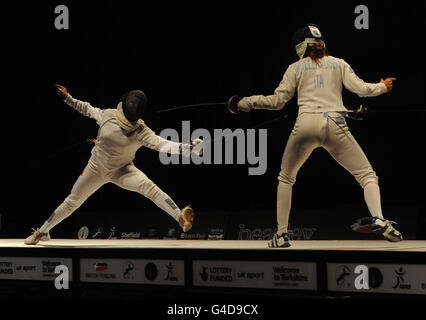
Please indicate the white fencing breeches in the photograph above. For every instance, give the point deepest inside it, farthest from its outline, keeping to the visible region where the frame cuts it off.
(313, 130)
(93, 177)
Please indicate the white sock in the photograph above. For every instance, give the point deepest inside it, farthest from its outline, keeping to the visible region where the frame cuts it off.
(372, 199)
(45, 227)
(56, 217)
(283, 206)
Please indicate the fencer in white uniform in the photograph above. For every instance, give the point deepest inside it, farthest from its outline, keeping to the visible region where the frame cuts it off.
(121, 133)
(318, 79)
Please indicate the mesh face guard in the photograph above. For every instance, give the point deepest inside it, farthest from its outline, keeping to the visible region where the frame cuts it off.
(309, 34)
(134, 105)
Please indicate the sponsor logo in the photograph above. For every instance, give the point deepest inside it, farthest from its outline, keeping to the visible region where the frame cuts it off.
(216, 274)
(341, 275)
(198, 236)
(290, 277)
(98, 233)
(399, 279)
(315, 32)
(112, 233)
(29, 268)
(128, 270)
(100, 266)
(83, 232)
(250, 275)
(301, 233)
(170, 276)
(48, 267)
(26, 268)
(203, 274)
(254, 234)
(216, 234)
(6, 267)
(130, 235)
(255, 274)
(151, 271)
(375, 277)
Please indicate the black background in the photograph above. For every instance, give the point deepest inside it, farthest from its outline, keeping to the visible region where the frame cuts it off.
(183, 53)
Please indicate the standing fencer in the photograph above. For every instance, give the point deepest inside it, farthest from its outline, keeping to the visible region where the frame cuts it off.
(121, 133)
(318, 79)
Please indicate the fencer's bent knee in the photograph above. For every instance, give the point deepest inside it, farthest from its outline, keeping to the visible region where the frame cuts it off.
(72, 202)
(285, 178)
(370, 181)
(365, 177)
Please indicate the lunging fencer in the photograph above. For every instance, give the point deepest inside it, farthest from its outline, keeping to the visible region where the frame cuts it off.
(121, 133)
(318, 78)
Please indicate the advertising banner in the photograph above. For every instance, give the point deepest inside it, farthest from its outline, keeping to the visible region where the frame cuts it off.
(255, 274)
(380, 278)
(162, 272)
(32, 268)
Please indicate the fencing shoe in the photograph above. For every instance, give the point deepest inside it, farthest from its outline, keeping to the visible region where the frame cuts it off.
(386, 229)
(186, 218)
(279, 241)
(377, 225)
(37, 236)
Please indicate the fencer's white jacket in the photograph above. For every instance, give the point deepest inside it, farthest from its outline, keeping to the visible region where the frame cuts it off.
(319, 87)
(114, 148)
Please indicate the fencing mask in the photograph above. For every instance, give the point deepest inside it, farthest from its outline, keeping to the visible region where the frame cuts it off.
(134, 104)
(309, 34)
(130, 109)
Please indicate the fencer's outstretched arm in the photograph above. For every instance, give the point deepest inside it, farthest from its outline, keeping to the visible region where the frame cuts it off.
(84, 108)
(361, 88)
(149, 139)
(282, 94)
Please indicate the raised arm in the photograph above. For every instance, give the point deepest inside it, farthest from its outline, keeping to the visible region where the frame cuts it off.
(361, 88)
(84, 108)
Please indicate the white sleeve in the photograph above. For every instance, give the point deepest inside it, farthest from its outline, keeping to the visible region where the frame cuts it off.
(358, 86)
(149, 139)
(85, 108)
(282, 94)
